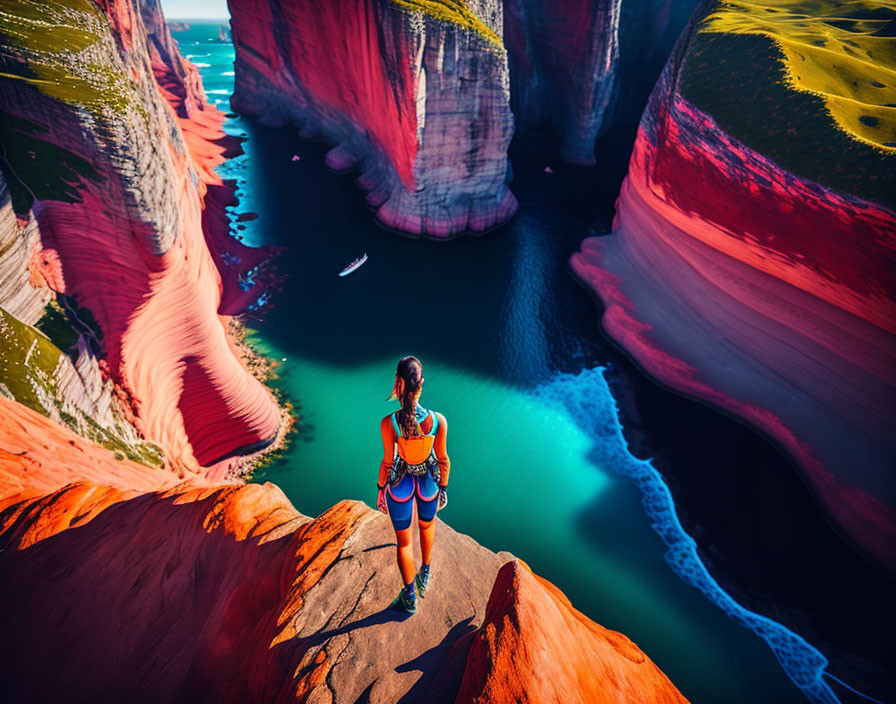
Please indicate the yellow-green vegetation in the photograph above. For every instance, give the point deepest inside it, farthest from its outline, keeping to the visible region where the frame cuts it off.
(144, 452)
(28, 361)
(455, 12)
(839, 51)
(42, 42)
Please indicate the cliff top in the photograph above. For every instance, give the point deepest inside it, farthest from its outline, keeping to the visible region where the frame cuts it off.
(455, 12)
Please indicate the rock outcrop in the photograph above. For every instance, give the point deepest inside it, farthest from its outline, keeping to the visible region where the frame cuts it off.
(119, 583)
(412, 93)
(516, 657)
(583, 66)
(752, 259)
(563, 68)
(115, 212)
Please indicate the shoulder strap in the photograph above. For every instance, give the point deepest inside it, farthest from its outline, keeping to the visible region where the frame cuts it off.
(435, 423)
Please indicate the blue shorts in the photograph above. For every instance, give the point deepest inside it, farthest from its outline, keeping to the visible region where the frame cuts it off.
(400, 499)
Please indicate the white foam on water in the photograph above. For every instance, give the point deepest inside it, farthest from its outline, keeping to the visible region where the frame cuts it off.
(586, 396)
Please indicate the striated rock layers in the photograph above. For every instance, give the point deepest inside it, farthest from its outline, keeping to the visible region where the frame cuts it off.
(415, 94)
(119, 583)
(753, 258)
(110, 206)
(418, 94)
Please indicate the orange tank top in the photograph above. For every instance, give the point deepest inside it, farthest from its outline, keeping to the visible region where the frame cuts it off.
(415, 449)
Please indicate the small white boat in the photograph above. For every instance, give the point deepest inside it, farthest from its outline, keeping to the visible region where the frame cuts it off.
(353, 266)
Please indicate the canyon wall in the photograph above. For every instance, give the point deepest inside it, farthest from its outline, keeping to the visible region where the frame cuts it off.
(413, 94)
(563, 66)
(583, 66)
(752, 262)
(117, 273)
(422, 97)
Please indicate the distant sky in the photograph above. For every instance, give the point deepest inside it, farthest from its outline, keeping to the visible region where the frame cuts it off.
(195, 9)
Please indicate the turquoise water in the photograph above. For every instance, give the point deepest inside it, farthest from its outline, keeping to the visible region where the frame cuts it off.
(513, 357)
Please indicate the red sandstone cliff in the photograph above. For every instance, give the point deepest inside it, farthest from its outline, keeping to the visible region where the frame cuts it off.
(119, 583)
(516, 657)
(752, 258)
(117, 212)
(418, 103)
(418, 95)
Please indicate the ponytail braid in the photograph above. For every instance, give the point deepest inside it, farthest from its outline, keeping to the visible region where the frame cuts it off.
(410, 372)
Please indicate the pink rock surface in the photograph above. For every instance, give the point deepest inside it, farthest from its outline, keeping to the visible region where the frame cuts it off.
(145, 245)
(763, 293)
(419, 106)
(38, 455)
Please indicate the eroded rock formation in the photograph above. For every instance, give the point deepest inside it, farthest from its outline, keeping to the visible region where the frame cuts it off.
(115, 212)
(417, 95)
(752, 259)
(563, 67)
(515, 657)
(413, 94)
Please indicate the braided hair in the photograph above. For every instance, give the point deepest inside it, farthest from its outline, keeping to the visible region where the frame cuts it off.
(410, 372)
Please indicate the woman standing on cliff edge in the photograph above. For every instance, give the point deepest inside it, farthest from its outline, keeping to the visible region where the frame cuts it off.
(414, 471)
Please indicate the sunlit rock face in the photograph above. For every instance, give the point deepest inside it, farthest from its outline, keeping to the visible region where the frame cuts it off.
(111, 208)
(415, 95)
(535, 647)
(213, 591)
(422, 97)
(752, 261)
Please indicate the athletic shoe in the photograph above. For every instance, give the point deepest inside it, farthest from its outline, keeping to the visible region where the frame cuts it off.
(422, 579)
(406, 600)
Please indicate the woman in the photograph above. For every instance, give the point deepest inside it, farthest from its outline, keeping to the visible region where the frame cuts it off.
(414, 472)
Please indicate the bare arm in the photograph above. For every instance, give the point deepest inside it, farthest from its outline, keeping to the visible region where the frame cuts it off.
(388, 450)
(441, 449)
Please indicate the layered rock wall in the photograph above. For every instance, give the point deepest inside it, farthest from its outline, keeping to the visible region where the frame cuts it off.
(563, 65)
(415, 95)
(761, 278)
(110, 149)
